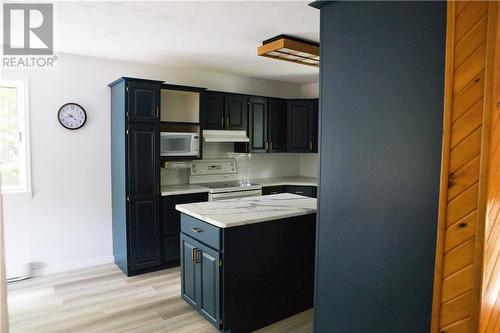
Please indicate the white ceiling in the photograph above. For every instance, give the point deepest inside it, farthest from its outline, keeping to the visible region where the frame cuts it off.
(208, 36)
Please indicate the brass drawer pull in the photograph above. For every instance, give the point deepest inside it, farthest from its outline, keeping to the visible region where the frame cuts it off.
(197, 229)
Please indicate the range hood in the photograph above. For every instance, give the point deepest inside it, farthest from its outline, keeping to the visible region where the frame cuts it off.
(225, 136)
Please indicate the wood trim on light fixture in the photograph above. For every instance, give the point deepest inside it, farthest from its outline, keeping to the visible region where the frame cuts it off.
(278, 45)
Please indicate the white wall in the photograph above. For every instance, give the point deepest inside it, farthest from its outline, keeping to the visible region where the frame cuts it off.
(67, 223)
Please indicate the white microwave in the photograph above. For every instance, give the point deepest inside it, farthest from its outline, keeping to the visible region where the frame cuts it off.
(179, 144)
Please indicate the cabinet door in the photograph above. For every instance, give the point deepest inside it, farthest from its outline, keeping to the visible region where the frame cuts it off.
(144, 237)
(277, 126)
(236, 112)
(189, 278)
(301, 120)
(143, 101)
(257, 126)
(209, 284)
(213, 111)
(143, 160)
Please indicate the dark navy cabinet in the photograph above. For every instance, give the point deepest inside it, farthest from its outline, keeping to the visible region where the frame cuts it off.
(201, 278)
(302, 126)
(267, 190)
(381, 89)
(258, 125)
(143, 101)
(135, 168)
(213, 114)
(171, 224)
(236, 112)
(276, 128)
(247, 277)
(307, 191)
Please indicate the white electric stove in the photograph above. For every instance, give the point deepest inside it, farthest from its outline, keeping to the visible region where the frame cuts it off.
(221, 177)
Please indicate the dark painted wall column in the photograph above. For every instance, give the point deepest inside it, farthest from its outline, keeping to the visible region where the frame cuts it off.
(382, 76)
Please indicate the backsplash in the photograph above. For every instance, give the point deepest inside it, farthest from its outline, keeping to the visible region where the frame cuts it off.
(250, 165)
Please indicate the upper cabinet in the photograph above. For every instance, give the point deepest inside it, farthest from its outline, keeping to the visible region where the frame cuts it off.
(213, 115)
(276, 129)
(225, 111)
(143, 99)
(236, 112)
(302, 125)
(258, 125)
(273, 124)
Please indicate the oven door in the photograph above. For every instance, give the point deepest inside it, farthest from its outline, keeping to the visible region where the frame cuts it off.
(177, 144)
(234, 195)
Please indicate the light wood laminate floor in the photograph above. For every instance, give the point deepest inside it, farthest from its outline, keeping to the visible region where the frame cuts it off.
(101, 299)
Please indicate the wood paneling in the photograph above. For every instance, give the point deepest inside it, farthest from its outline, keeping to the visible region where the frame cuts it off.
(490, 293)
(467, 275)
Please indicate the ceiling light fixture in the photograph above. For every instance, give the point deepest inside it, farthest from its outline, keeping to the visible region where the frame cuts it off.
(290, 49)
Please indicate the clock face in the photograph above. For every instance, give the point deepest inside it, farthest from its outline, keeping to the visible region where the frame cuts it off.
(72, 116)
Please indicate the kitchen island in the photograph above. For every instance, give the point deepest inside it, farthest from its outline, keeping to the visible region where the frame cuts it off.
(247, 263)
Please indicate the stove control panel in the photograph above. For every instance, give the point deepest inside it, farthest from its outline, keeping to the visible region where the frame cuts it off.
(213, 167)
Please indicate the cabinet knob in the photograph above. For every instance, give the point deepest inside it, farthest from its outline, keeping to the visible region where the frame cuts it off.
(310, 145)
(195, 229)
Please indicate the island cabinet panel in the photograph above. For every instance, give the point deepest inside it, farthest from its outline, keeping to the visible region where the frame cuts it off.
(247, 277)
(135, 168)
(213, 115)
(277, 125)
(200, 278)
(236, 112)
(381, 88)
(143, 101)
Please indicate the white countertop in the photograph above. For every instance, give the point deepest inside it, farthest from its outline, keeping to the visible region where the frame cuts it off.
(182, 189)
(275, 181)
(236, 212)
(293, 181)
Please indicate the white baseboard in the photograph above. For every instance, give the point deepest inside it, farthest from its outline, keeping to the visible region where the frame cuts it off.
(72, 266)
(19, 271)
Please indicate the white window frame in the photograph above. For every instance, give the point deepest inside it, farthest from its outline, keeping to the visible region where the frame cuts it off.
(24, 120)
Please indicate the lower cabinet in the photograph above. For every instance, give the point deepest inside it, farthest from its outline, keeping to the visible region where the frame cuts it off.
(307, 191)
(171, 224)
(201, 278)
(267, 190)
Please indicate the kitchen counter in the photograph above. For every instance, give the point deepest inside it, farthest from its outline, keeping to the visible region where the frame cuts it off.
(236, 212)
(275, 181)
(182, 189)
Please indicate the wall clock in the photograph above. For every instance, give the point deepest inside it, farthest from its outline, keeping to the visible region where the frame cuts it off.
(72, 116)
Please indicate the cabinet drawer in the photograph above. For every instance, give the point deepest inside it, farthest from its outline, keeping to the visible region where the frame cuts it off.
(272, 190)
(171, 249)
(201, 231)
(170, 201)
(307, 191)
(171, 223)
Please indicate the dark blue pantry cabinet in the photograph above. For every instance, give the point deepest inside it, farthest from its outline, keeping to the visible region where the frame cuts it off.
(145, 226)
(246, 277)
(381, 113)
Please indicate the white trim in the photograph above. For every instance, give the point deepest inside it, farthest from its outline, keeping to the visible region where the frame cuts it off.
(24, 114)
(72, 266)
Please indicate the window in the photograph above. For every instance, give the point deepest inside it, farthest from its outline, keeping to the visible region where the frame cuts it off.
(14, 138)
